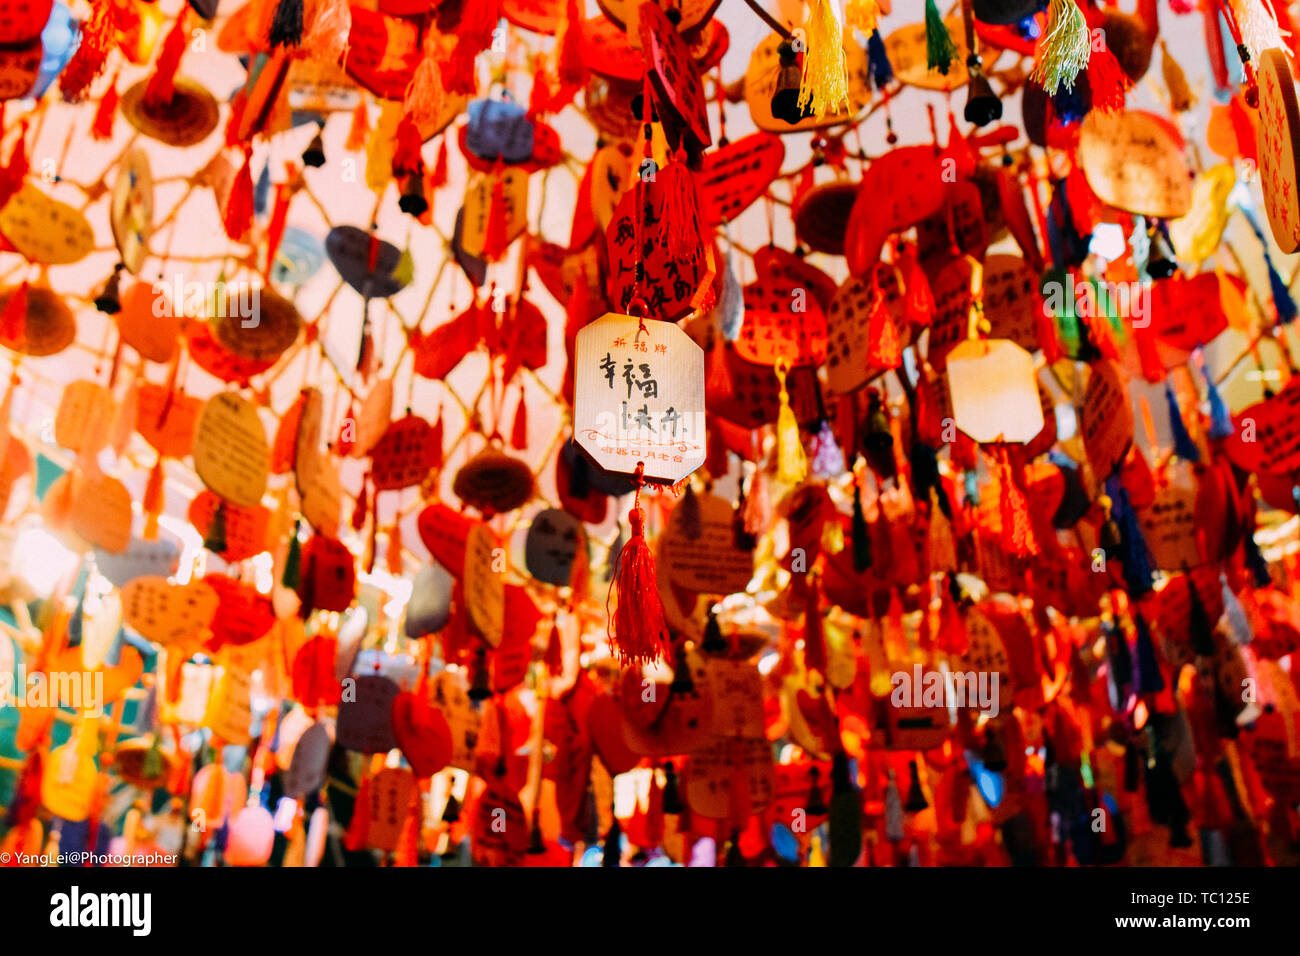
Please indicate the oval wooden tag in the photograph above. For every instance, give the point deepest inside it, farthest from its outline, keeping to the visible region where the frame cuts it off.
(231, 454)
(167, 613)
(1134, 161)
(45, 230)
(705, 559)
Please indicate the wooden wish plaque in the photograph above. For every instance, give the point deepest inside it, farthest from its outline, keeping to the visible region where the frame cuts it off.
(1134, 161)
(705, 559)
(1106, 421)
(639, 397)
(1279, 161)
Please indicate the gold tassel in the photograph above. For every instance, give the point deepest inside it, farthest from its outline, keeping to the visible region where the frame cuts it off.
(792, 463)
(1181, 98)
(824, 85)
(862, 15)
(1064, 48)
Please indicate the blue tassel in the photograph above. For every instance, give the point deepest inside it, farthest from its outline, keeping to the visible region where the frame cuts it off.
(1068, 104)
(262, 191)
(1134, 554)
(1220, 420)
(1184, 447)
(1028, 28)
(1121, 660)
(971, 481)
(1150, 680)
(1255, 561)
(1070, 248)
(1235, 615)
(1282, 301)
(882, 71)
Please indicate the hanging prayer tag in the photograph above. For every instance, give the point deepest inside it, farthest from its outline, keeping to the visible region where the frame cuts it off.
(994, 392)
(673, 71)
(1279, 161)
(639, 397)
(1134, 161)
(131, 209)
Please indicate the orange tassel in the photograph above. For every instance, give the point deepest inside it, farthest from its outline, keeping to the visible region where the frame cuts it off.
(360, 130)
(153, 500)
(162, 85)
(519, 434)
(239, 206)
(13, 325)
(424, 94)
(393, 555)
(105, 113)
(637, 631)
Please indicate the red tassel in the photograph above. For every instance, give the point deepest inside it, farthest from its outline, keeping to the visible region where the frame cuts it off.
(359, 825)
(571, 69)
(814, 637)
(1048, 339)
(362, 506)
(360, 129)
(279, 218)
(237, 104)
(681, 218)
(439, 175)
(408, 843)
(153, 500)
(239, 207)
(1017, 530)
(519, 433)
(162, 85)
(13, 325)
(97, 36)
(1144, 340)
(883, 350)
(637, 631)
(406, 157)
(105, 113)
(474, 35)
(1107, 81)
(435, 442)
(554, 651)
(15, 171)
